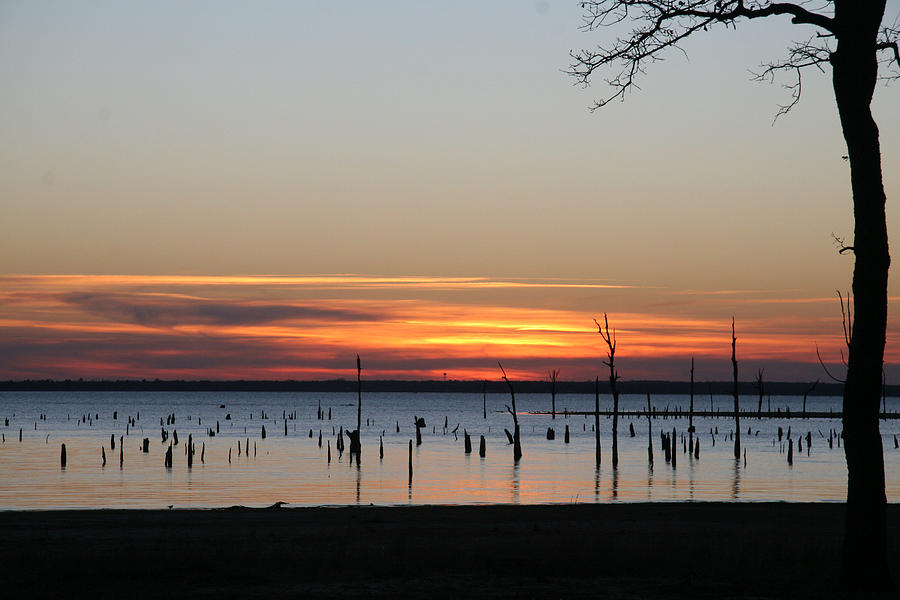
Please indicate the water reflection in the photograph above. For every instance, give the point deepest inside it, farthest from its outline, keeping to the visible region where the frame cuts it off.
(514, 481)
(294, 468)
(615, 484)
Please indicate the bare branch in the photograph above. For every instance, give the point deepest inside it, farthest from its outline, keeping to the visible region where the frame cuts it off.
(801, 55)
(842, 247)
(824, 368)
(664, 24)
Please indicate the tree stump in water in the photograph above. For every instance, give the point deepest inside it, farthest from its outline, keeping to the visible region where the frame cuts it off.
(551, 434)
(355, 444)
(467, 442)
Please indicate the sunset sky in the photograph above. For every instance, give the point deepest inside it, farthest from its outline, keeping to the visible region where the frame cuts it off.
(262, 190)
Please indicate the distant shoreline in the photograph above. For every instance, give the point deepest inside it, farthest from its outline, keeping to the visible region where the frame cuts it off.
(701, 389)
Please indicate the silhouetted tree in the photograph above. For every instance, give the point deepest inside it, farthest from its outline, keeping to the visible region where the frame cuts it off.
(610, 339)
(851, 38)
(761, 389)
(517, 444)
(737, 406)
(553, 375)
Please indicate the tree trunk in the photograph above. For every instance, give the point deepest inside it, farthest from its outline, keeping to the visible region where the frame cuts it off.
(855, 70)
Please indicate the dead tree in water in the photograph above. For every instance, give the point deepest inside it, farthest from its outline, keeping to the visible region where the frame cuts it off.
(737, 409)
(610, 339)
(691, 413)
(554, 374)
(761, 389)
(517, 443)
(649, 433)
(598, 452)
(355, 442)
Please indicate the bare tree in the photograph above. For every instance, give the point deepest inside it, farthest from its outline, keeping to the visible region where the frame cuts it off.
(761, 389)
(737, 407)
(610, 339)
(517, 444)
(853, 39)
(553, 374)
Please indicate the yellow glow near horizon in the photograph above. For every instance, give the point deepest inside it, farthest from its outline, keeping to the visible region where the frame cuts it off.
(307, 326)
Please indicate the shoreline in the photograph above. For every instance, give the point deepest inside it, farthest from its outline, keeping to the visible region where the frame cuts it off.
(639, 550)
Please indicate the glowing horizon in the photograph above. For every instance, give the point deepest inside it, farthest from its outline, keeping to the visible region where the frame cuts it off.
(311, 327)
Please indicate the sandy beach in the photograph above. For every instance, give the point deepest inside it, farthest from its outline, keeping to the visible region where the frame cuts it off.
(699, 550)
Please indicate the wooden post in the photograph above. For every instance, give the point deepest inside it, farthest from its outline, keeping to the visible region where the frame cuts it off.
(381, 446)
(674, 448)
(482, 447)
(410, 462)
(62, 456)
(121, 453)
(103, 455)
(566, 438)
(467, 442)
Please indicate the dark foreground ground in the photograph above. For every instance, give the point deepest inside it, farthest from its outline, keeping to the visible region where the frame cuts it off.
(632, 551)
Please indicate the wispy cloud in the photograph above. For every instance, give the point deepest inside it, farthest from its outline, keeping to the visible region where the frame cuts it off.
(312, 327)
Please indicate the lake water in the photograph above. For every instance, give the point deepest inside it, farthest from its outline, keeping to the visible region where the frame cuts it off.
(293, 468)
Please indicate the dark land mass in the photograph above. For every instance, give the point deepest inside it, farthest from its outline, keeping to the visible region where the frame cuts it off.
(691, 551)
(701, 389)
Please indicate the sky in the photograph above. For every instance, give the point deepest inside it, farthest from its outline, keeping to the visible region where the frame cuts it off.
(262, 190)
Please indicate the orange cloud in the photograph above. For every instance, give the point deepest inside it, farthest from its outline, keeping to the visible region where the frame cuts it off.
(407, 327)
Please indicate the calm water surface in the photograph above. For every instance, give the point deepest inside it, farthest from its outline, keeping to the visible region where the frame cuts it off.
(294, 469)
